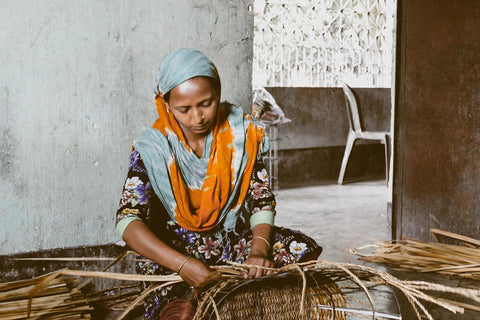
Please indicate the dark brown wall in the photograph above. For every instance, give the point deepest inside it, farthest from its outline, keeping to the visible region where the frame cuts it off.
(319, 115)
(300, 167)
(437, 119)
(312, 145)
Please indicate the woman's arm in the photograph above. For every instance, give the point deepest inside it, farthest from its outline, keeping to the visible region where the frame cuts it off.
(141, 239)
(260, 254)
(261, 203)
(131, 225)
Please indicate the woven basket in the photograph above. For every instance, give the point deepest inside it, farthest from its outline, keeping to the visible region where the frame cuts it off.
(279, 298)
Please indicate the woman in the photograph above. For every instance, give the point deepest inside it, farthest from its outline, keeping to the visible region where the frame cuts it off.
(197, 192)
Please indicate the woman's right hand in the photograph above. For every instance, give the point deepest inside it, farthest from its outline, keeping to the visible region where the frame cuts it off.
(141, 239)
(198, 275)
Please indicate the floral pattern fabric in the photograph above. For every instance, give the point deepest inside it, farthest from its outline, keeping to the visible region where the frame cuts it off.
(214, 247)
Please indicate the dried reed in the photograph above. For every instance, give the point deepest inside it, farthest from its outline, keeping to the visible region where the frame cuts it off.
(48, 296)
(58, 295)
(420, 256)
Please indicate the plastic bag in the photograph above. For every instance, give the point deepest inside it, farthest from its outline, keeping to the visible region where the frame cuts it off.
(266, 109)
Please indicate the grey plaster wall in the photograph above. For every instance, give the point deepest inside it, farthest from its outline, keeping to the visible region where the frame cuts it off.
(76, 89)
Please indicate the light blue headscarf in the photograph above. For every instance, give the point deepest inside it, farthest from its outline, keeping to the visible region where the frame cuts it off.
(180, 66)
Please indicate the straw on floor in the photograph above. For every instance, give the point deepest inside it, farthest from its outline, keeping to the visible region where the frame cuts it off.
(461, 260)
(320, 290)
(49, 297)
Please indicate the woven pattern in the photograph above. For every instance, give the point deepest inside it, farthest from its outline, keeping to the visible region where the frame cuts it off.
(280, 298)
(318, 43)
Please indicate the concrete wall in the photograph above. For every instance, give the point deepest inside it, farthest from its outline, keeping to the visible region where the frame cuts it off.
(76, 89)
(312, 145)
(319, 115)
(437, 119)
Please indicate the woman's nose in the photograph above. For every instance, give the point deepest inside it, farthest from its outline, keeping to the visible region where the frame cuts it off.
(198, 116)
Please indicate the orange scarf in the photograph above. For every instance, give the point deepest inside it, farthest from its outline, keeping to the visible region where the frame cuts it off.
(203, 209)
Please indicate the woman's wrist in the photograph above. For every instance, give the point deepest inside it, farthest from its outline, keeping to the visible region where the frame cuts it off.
(261, 240)
(260, 248)
(178, 261)
(259, 253)
(182, 264)
(267, 242)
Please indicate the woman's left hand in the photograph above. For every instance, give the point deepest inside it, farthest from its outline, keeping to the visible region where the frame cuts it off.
(258, 259)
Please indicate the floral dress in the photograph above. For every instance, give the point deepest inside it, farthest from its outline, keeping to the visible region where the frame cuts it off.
(214, 247)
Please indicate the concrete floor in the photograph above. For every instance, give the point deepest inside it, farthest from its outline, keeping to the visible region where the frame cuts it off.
(338, 217)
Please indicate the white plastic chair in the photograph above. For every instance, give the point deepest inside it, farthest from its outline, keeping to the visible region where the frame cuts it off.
(356, 132)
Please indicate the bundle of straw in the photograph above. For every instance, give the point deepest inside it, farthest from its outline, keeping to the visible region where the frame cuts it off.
(59, 295)
(45, 297)
(420, 256)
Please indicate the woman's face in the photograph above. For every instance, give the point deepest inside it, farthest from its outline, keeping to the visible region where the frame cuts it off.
(194, 104)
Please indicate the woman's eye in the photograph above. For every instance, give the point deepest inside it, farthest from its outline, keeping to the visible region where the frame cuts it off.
(183, 110)
(207, 104)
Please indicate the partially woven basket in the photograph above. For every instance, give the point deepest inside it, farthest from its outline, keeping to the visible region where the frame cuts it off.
(278, 297)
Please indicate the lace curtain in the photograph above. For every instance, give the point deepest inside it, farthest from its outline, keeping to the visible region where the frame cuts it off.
(319, 43)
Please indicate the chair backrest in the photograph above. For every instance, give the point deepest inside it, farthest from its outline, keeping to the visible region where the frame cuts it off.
(352, 109)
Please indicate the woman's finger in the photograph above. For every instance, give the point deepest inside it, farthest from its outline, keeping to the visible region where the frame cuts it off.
(268, 272)
(259, 273)
(255, 272)
(269, 264)
(252, 273)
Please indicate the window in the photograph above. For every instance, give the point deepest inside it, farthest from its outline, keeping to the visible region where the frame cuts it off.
(319, 43)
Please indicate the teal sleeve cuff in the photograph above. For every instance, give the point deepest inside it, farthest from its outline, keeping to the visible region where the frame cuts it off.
(123, 224)
(263, 216)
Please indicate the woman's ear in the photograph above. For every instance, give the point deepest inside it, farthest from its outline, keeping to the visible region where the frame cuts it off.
(159, 95)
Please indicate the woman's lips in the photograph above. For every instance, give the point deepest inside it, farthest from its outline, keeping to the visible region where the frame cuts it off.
(199, 128)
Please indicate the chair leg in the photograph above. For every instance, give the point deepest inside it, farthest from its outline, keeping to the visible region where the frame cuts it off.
(346, 155)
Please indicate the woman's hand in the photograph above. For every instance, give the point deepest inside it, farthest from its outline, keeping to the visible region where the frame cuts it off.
(258, 259)
(261, 251)
(141, 239)
(198, 275)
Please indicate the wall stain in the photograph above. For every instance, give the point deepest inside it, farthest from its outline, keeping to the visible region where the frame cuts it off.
(6, 138)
